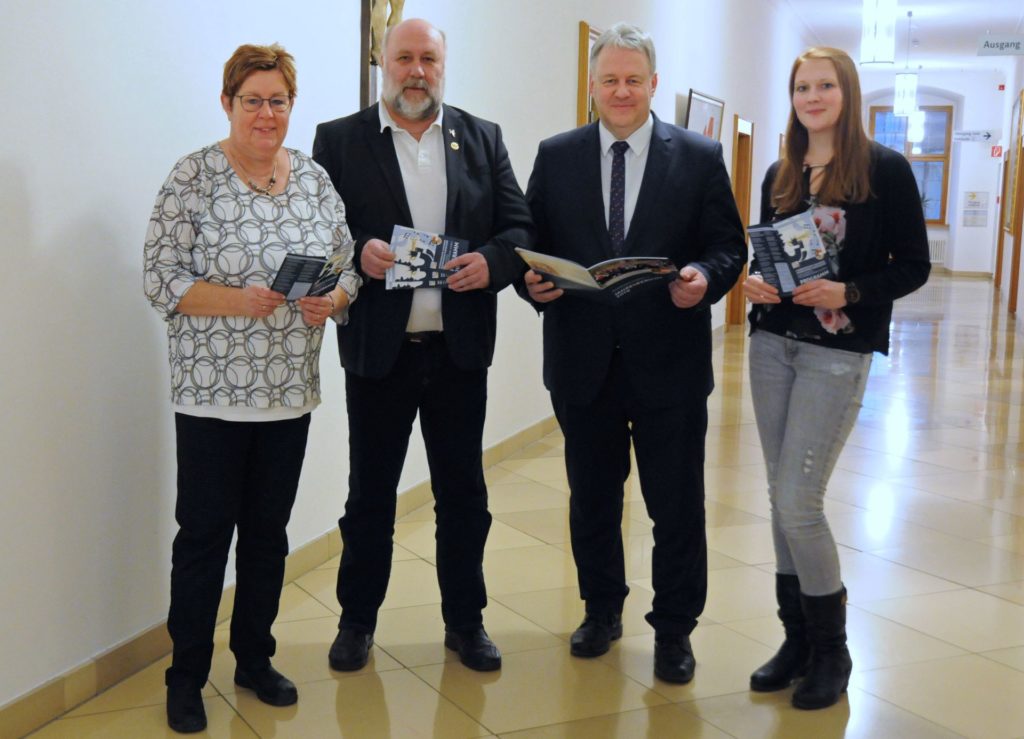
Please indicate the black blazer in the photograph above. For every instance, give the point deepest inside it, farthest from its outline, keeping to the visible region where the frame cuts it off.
(685, 211)
(485, 205)
(885, 253)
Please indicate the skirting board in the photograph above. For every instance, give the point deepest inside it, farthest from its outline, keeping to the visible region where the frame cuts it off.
(940, 270)
(63, 693)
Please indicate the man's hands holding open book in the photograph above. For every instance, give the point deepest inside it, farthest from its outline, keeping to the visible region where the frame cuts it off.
(541, 290)
(688, 288)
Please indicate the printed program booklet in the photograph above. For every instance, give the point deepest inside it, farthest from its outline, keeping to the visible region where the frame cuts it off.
(609, 280)
(419, 258)
(790, 252)
(301, 275)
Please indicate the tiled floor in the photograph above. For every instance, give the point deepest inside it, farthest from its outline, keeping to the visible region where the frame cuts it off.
(926, 502)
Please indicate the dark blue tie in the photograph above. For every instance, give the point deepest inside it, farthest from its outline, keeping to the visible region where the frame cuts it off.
(617, 197)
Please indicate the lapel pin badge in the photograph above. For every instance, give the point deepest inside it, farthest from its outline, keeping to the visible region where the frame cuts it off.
(452, 132)
(455, 146)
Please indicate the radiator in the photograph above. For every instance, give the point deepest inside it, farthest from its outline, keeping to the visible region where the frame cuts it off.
(937, 249)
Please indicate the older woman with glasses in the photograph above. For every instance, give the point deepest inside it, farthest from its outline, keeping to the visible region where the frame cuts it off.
(244, 367)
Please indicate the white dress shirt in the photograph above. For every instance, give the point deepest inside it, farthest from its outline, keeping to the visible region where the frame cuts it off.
(636, 161)
(426, 189)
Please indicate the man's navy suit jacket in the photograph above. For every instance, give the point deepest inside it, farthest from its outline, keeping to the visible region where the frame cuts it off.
(685, 211)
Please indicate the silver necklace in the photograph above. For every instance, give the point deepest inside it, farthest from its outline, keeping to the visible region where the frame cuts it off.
(252, 185)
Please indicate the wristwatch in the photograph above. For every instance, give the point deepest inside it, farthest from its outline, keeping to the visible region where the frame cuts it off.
(852, 293)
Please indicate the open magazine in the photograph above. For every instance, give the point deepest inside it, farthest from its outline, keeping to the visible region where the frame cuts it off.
(790, 252)
(300, 275)
(419, 258)
(609, 280)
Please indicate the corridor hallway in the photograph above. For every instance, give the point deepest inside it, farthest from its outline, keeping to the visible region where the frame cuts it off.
(927, 504)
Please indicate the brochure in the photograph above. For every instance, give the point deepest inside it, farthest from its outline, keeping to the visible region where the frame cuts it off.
(790, 252)
(610, 280)
(301, 275)
(419, 258)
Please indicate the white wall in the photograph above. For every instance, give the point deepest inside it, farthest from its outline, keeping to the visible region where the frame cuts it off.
(108, 95)
(978, 104)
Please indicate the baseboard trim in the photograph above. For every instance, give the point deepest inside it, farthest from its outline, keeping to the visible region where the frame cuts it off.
(63, 693)
(939, 269)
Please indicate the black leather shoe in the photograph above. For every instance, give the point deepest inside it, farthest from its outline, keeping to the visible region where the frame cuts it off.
(185, 711)
(673, 658)
(475, 648)
(350, 650)
(270, 686)
(595, 635)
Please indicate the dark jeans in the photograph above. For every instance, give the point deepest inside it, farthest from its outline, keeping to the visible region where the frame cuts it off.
(230, 474)
(451, 403)
(669, 446)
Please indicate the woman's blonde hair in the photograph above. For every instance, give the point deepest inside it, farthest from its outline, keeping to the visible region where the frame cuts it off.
(847, 179)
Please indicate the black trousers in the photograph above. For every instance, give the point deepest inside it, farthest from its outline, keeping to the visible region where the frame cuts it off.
(669, 446)
(231, 474)
(451, 403)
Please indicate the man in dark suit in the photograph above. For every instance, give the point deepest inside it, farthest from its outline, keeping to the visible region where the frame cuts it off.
(639, 369)
(411, 161)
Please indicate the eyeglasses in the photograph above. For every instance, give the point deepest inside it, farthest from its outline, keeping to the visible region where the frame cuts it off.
(253, 103)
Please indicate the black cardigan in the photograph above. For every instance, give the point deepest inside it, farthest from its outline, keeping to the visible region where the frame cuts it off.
(885, 253)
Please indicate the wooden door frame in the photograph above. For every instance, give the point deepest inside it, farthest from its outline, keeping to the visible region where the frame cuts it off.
(742, 188)
(1018, 209)
(1003, 202)
(1015, 227)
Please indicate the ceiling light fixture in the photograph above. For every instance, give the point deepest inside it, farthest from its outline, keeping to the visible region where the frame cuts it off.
(905, 97)
(878, 32)
(915, 129)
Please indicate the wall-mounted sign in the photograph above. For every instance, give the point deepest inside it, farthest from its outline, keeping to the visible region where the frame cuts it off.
(1001, 45)
(974, 135)
(975, 209)
(997, 152)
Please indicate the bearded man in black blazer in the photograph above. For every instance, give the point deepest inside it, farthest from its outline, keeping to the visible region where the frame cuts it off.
(638, 370)
(411, 161)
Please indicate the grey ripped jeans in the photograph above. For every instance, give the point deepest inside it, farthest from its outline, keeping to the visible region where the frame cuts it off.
(806, 399)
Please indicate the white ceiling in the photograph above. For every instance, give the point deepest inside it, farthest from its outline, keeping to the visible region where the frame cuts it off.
(946, 31)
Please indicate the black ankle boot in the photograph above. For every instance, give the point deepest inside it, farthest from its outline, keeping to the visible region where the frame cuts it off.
(830, 669)
(791, 661)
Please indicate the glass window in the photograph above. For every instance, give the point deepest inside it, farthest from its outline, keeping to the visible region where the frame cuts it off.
(936, 126)
(929, 176)
(890, 130)
(929, 159)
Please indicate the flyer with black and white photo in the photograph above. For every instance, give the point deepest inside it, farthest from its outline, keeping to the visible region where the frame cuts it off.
(790, 252)
(420, 258)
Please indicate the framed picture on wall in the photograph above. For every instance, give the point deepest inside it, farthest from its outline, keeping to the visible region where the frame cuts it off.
(704, 114)
(1013, 164)
(586, 112)
(682, 101)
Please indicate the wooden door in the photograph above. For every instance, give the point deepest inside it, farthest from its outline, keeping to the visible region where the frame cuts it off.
(742, 176)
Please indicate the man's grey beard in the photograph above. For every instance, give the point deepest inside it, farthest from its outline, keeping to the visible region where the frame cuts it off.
(424, 110)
